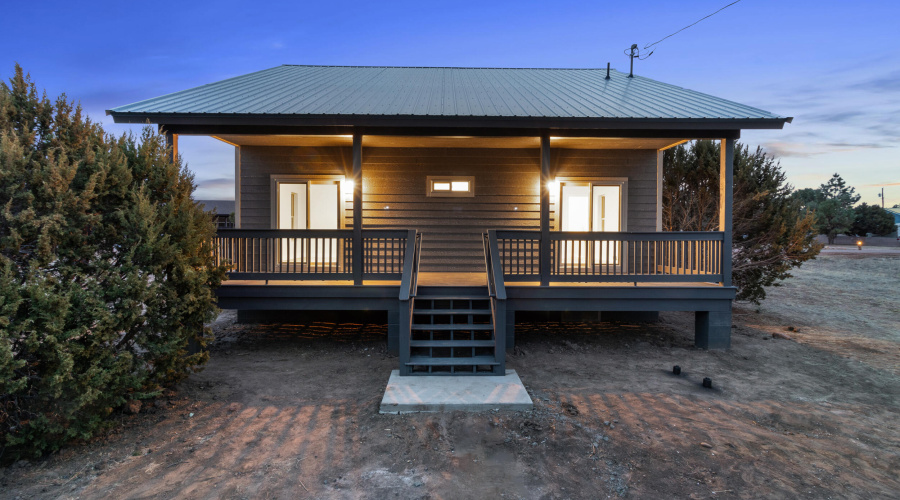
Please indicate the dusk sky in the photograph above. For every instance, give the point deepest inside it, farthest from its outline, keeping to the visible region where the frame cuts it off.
(832, 65)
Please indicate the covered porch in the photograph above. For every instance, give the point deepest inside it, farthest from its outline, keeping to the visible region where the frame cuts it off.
(564, 224)
(564, 208)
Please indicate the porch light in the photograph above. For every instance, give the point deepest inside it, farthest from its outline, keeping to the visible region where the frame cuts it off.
(553, 187)
(348, 187)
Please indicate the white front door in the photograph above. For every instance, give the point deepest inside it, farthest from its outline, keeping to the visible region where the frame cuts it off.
(309, 205)
(591, 206)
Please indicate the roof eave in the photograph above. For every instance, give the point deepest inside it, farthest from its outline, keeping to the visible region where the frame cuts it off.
(214, 120)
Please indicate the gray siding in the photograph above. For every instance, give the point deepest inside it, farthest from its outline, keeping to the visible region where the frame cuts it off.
(259, 163)
(506, 197)
(394, 190)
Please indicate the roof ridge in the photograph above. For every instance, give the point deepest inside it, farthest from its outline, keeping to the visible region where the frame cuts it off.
(435, 67)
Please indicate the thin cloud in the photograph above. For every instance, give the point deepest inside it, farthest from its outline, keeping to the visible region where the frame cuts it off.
(797, 149)
(834, 116)
(220, 183)
(889, 82)
(785, 149)
(887, 128)
(884, 184)
(850, 146)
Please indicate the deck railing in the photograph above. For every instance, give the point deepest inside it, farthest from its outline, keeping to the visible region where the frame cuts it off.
(612, 257)
(309, 254)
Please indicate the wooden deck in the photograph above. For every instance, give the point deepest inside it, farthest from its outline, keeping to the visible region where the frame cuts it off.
(464, 279)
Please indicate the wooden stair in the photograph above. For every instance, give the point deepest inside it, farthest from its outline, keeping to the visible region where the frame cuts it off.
(453, 334)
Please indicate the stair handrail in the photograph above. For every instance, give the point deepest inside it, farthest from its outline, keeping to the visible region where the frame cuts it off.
(493, 266)
(497, 292)
(409, 284)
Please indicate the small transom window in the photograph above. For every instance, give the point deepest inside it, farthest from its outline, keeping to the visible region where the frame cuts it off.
(451, 186)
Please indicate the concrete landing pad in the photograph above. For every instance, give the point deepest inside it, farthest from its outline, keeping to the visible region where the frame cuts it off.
(448, 393)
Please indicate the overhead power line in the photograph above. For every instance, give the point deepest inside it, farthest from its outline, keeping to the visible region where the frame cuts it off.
(692, 24)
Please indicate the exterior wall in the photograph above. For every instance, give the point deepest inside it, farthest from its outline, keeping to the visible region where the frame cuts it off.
(506, 197)
(259, 163)
(394, 190)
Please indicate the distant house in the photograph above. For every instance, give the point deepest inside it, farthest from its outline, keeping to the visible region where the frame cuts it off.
(220, 210)
(455, 198)
(896, 213)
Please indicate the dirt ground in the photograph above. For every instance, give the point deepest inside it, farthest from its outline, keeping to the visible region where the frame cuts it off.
(291, 411)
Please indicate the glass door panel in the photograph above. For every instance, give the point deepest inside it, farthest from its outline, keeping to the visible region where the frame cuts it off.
(292, 205)
(605, 216)
(324, 200)
(309, 205)
(575, 216)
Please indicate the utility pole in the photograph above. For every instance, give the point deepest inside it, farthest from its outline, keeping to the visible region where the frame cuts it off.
(882, 197)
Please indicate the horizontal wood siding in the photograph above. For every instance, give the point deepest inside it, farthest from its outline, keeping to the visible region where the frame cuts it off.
(259, 163)
(394, 190)
(506, 196)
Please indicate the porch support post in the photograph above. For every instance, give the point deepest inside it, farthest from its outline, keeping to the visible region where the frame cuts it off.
(510, 329)
(726, 199)
(172, 145)
(237, 187)
(545, 209)
(393, 339)
(660, 155)
(357, 210)
(712, 329)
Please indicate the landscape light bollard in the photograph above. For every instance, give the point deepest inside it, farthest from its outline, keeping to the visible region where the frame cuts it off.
(859, 245)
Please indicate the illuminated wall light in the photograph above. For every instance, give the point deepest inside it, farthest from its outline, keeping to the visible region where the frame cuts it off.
(347, 186)
(553, 187)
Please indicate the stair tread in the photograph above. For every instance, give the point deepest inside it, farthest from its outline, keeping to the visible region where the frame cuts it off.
(477, 360)
(451, 343)
(452, 297)
(452, 311)
(452, 327)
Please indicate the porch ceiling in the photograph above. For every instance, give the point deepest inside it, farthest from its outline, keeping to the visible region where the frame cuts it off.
(380, 141)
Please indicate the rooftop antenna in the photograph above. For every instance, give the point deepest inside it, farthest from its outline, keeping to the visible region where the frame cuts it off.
(632, 53)
(631, 56)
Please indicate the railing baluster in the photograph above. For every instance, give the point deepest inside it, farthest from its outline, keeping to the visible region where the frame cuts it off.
(698, 257)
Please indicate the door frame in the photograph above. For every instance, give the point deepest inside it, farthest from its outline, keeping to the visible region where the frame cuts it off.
(276, 179)
(622, 182)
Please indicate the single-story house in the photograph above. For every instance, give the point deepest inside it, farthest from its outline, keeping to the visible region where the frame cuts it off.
(456, 198)
(896, 213)
(220, 211)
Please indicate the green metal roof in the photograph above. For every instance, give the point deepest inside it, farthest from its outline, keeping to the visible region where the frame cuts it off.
(498, 93)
